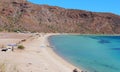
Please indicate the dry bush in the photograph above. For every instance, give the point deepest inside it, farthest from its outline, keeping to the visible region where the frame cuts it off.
(21, 47)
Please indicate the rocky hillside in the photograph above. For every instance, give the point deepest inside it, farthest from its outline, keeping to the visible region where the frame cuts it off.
(20, 15)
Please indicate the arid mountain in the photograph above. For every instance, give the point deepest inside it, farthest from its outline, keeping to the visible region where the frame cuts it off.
(20, 15)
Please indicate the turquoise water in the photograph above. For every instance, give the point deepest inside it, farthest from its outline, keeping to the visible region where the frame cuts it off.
(91, 53)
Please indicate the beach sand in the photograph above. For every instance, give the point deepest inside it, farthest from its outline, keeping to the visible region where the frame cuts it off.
(36, 57)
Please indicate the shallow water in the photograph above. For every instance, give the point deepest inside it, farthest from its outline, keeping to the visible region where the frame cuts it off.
(91, 53)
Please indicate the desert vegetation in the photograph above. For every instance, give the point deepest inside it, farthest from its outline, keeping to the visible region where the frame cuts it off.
(21, 47)
(2, 67)
(8, 67)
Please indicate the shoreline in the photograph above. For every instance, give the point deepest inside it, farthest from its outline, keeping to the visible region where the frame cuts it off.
(57, 56)
(90, 34)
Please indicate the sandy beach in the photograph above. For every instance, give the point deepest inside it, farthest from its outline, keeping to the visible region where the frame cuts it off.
(36, 57)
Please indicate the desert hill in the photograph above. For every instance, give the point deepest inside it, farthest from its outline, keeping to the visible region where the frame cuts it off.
(21, 15)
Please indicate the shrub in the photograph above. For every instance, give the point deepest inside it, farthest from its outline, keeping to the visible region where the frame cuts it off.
(21, 47)
(2, 67)
(1, 30)
(16, 30)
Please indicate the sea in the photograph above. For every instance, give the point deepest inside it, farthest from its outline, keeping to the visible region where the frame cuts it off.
(91, 53)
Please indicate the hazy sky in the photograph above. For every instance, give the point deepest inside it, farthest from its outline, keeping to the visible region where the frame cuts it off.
(90, 5)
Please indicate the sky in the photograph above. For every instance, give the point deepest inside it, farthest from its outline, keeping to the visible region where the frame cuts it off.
(112, 6)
